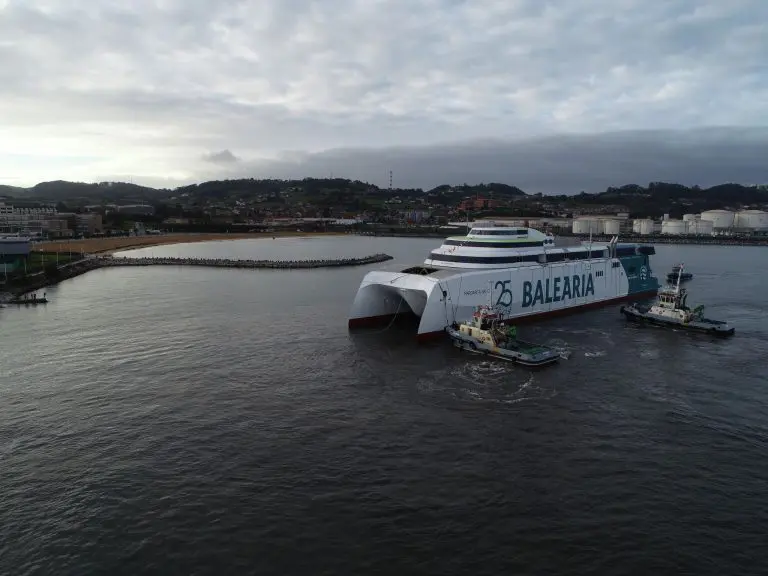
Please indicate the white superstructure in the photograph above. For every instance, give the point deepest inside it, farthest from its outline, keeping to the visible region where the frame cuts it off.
(518, 269)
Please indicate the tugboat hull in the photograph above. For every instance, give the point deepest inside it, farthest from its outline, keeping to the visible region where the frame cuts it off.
(703, 325)
(523, 353)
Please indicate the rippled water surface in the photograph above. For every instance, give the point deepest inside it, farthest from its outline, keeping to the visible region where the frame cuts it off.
(196, 421)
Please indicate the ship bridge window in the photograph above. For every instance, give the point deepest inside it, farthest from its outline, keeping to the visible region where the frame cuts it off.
(484, 259)
(512, 232)
(615, 264)
(491, 244)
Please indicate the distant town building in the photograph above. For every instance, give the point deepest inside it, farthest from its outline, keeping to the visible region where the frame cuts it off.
(89, 224)
(13, 252)
(479, 204)
(30, 221)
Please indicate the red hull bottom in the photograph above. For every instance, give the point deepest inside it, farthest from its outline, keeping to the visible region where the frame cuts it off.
(377, 321)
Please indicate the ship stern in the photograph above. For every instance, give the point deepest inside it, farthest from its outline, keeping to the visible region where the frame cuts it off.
(382, 296)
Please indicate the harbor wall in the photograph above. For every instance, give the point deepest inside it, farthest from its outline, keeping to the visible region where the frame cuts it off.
(54, 275)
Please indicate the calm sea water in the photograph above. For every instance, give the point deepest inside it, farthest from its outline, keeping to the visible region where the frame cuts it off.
(197, 421)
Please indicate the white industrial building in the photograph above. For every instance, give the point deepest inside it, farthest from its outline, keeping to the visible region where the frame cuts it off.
(700, 227)
(643, 226)
(674, 227)
(751, 220)
(610, 225)
(721, 219)
(710, 222)
(29, 221)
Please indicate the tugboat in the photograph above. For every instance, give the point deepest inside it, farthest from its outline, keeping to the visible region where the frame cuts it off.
(488, 333)
(676, 273)
(671, 311)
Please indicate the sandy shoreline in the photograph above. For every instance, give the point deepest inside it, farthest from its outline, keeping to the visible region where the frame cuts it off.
(110, 245)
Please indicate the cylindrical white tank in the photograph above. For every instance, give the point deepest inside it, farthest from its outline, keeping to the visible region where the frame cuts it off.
(700, 227)
(645, 227)
(666, 217)
(586, 226)
(720, 219)
(752, 219)
(580, 227)
(676, 227)
(689, 217)
(636, 226)
(612, 227)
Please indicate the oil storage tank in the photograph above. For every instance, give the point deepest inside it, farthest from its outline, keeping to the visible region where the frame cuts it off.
(689, 217)
(674, 227)
(644, 227)
(752, 220)
(700, 227)
(580, 226)
(587, 226)
(721, 219)
(612, 227)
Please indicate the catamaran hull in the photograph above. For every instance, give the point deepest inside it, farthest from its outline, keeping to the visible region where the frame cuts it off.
(524, 293)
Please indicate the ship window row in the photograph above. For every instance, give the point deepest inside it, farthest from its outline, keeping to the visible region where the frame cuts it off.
(482, 244)
(615, 264)
(552, 257)
(582, 255)
(498, 232)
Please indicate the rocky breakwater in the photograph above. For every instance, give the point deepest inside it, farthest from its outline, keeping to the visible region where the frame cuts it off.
(54, 274)
(251, 264)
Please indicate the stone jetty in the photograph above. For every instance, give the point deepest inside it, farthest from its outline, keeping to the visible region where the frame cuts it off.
(94, 262)
(105, 261)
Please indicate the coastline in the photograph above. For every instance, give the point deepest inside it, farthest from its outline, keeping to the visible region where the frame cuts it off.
(117, 244)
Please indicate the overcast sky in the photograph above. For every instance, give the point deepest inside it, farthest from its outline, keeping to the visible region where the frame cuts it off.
(551, 96)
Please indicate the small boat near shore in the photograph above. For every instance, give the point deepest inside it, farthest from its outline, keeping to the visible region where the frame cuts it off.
(487, 333)
(671, 311)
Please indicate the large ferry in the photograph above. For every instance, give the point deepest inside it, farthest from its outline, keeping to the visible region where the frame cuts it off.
(522, 270)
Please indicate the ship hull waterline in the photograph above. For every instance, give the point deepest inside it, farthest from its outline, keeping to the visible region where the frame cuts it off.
(386, 319)
(525, 293)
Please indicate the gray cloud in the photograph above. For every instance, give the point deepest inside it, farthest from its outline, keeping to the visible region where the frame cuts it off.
(552, 164)
(146, 88)
(223, 157)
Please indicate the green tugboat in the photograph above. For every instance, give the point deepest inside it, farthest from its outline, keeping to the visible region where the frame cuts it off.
(487, 333)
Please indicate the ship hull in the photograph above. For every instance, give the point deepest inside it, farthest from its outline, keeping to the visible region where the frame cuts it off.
(524, 293)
